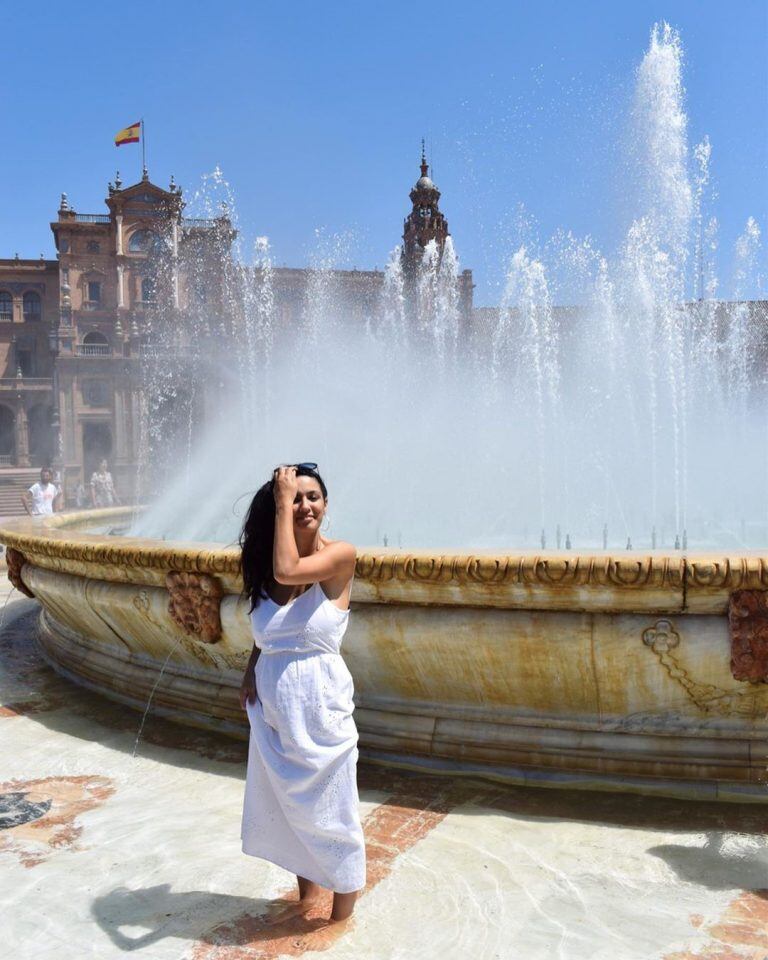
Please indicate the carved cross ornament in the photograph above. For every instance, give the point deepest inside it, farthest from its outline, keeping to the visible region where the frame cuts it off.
(195, 604)
(748, 619)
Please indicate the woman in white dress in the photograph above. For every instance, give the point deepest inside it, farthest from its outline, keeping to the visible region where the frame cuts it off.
(301, 801)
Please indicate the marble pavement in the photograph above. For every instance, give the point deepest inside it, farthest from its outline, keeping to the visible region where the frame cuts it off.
(109, 848)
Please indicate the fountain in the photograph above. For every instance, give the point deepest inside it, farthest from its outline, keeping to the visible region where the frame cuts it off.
(621, 660)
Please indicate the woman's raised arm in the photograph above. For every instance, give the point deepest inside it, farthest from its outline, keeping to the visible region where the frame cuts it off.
(336, 560)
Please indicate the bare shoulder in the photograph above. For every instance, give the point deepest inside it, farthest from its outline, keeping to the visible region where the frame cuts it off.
(338, 588)
(341, 549)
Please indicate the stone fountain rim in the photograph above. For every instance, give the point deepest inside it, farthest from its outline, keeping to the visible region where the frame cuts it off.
(62, 537)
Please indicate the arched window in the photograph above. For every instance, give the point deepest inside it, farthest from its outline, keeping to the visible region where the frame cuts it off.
(142, 241)
(94, 344)
(148, 289)
(6, 305)
(32, 306)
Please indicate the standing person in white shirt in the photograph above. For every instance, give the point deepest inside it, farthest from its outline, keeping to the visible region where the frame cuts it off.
(44, 497)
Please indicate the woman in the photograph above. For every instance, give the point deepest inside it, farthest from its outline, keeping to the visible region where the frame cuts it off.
(301, 803)
(103, 487)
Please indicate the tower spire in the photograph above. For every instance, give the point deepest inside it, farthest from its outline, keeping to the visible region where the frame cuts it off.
(425, 222)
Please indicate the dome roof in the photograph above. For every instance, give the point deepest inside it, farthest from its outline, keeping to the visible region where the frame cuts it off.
(424, 183)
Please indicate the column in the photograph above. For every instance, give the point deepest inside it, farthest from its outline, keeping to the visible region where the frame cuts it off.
(120, 300)
(22, 437)
(119, 234)
(136, 422)
(67, 419)
(120, 450)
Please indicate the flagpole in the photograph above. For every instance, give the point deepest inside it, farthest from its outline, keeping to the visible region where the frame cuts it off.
(143, 150)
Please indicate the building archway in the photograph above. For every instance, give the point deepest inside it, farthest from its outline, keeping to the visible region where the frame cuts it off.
(7, 436)
(41, 440)
(143, 241)
(97, 446)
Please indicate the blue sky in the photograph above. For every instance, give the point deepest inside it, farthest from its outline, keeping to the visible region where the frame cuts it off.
(314, 112)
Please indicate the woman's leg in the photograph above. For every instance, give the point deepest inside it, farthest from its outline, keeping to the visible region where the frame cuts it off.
(307, 889)
(343, 905)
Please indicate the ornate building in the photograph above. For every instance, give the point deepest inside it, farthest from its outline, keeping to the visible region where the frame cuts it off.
(74, 341)
(425, 224)
(29, 305)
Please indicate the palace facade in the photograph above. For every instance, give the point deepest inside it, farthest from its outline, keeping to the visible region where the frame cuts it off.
(74, 332)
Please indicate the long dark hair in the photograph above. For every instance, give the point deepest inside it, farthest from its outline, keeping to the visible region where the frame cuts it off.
(258, 536)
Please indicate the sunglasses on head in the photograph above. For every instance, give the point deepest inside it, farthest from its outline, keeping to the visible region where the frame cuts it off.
(305, 466)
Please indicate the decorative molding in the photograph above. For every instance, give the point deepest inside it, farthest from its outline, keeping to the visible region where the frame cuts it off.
(555, 571)
(15, 560)
(729, 573)
(145, 211)
(663, 639)
(147, 197)
(91, 270)
(21, 287)
(686, 580)
(748, 620)
(148, 554)
(195, 604)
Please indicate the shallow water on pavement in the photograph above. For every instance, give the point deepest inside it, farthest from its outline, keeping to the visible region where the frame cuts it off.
(103, 853)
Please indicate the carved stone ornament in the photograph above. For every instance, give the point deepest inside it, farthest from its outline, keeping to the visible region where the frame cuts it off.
(195, 604)
(665, 642)
(748, 618)
(662, 637)
(15, 560)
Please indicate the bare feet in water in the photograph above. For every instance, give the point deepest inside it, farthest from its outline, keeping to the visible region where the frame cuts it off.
(308, 891)
(343, 905)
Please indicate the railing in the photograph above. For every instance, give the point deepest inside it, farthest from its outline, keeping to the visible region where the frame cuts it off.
(93, 350)
(106, 218)
(35, 383)
(153, 351)
(197, 222)
(7, 459)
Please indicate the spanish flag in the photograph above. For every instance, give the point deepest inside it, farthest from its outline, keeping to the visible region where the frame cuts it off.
(131, 134)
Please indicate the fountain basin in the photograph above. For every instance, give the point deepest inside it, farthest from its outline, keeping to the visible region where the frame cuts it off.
(597, 671)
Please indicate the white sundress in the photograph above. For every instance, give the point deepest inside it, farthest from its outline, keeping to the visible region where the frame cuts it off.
(301, 802)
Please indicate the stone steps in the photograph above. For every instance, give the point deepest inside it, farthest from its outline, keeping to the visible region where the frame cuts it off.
(12, 484)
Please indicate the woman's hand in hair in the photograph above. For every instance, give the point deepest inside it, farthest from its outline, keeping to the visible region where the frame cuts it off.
(286, 484)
